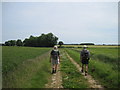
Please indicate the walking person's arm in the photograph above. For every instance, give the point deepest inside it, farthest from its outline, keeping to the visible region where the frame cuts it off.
(59, 58)
(88, 55)
(50, 58)
(81, 56)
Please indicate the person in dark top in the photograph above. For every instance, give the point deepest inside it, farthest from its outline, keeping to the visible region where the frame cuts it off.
(84, 57)
(54, 59)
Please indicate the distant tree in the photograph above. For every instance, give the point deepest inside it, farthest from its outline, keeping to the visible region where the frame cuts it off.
(19, 42)
(13, 42)
(60, 43)
(10, 43)
(32, 41)
(87, 44)
(44, 40)
(7, 43)
(26, 42)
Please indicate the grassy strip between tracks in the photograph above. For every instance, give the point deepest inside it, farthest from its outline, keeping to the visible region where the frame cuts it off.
(71, 77)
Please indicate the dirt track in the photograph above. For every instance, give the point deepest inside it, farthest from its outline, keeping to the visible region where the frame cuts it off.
(92, 82)
(56, 80)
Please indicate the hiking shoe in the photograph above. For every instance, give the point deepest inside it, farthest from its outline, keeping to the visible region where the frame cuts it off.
(86, 73)
(82, 71)
(55, 71)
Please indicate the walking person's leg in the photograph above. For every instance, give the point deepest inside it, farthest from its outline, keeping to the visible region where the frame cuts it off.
(55, 68)
(56, 65)
(86, 69)
(82, 68)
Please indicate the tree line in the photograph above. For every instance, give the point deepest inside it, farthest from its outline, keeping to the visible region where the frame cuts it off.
(44, 40)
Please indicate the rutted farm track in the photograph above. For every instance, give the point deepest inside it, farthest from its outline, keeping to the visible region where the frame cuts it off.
(56, 79)
(92, 82)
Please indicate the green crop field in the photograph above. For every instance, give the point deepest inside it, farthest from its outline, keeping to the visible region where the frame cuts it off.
(91, 46)
(29, 67)
(105, 63)
(23, 66)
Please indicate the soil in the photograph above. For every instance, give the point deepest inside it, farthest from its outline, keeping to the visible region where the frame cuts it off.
(56, 80)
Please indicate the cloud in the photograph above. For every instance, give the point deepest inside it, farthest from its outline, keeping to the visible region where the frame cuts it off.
(60, 0)
(69, 21)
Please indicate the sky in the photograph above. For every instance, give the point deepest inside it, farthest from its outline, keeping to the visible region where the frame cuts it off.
(71, 22)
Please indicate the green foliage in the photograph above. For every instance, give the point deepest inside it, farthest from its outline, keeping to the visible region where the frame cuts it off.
(10, 43)
(45, 40)
(19, 42)
(71, 77)
(60, 43)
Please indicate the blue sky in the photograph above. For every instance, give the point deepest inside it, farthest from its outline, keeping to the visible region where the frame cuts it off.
(72, 22)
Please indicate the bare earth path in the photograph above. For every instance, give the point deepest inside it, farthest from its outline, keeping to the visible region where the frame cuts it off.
(92, 82)
(56, 81)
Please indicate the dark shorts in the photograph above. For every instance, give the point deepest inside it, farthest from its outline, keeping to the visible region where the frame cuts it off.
(85, 61)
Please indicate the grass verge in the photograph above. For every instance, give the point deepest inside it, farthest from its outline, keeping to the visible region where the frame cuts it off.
(32, 73)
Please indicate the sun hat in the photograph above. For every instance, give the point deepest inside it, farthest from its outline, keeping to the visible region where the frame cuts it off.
(85, 46)
(55, 47)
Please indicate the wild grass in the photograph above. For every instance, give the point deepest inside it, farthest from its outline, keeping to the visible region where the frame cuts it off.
(106, 55)
(29, 73)
(103, 72)
(14, 56)
(71, 77)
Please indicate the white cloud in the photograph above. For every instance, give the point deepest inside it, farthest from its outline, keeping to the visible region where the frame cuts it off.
(69, 21)
(60, 0)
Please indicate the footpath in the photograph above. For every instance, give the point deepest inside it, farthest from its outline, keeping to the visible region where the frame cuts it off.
(56, 80)
(93, 83)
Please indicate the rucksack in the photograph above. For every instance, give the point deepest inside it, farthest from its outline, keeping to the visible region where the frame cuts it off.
(85, 55)
(55, 54)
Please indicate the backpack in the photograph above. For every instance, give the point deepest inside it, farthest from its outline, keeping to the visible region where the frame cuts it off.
(85, 55)
(55, 54)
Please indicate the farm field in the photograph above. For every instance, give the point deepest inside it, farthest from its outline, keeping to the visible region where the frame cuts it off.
(29, 67)
(91, 46)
